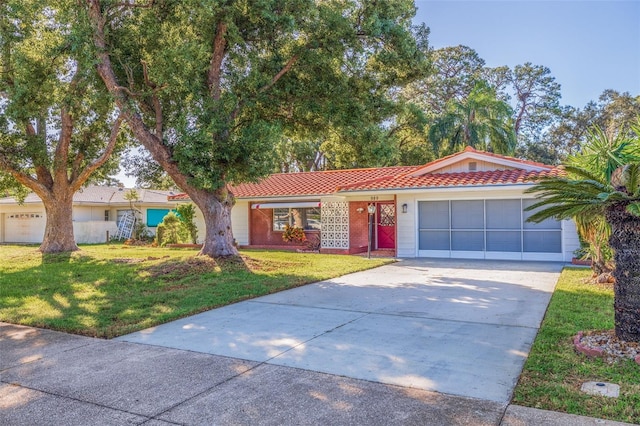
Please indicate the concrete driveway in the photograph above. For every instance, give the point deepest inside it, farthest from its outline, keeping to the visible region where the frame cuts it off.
(456, 327)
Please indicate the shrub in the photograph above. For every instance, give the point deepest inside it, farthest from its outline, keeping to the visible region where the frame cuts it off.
(186, 214)
(171, 231)
(293, 234)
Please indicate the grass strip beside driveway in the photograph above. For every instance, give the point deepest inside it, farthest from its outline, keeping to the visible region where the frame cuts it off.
(554, 371)
(109, 290)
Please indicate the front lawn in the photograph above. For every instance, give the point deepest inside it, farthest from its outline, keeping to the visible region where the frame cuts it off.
(110, 290)
(554, 372)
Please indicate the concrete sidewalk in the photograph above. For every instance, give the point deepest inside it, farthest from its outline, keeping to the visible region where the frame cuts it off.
(52, 378)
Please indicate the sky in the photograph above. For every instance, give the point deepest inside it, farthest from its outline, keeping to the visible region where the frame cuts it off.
(589, 46)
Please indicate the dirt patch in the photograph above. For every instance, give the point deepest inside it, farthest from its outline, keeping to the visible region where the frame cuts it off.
(127, 260)
(265, 265)
(180, 268)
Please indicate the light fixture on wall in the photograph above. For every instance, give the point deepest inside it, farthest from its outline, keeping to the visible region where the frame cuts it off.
(404, 208)
(360, 209)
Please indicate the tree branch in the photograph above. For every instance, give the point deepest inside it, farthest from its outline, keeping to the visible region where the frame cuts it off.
(157, 107)
(23, 178)
(282, 72)
(153, 143)
(214, 75)
(61, 155)
(86, 173)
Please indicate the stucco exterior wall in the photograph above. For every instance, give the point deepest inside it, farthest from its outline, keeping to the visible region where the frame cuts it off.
(94, 232)
(89, 213)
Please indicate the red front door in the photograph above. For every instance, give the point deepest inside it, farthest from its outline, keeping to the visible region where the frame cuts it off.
(386, 226)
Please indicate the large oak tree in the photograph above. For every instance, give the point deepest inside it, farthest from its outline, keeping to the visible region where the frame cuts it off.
(209, 88)
(57, 127)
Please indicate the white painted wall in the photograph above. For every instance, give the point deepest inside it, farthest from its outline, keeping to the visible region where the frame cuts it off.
(93, 232)
(240, 222)
(570, 240)
(407, 224)
(89, 213)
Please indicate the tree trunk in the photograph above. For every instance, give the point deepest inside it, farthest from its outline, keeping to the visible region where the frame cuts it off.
(58, 234)
(625, 241)
(216, 210)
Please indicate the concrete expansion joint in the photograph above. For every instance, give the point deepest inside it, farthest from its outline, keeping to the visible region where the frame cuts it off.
(70, 398)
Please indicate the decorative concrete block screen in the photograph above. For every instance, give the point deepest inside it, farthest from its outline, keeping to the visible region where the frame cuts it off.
(335, 224)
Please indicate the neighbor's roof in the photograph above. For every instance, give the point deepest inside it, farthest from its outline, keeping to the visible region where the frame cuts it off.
(104, 195)
(513, 172)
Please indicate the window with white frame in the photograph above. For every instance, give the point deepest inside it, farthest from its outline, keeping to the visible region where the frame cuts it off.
(307, 218)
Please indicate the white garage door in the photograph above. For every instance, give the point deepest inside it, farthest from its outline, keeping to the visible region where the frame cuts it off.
(489, 229)
(24, 227)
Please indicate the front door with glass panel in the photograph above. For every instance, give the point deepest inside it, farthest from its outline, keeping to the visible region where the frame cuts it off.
(386, 226)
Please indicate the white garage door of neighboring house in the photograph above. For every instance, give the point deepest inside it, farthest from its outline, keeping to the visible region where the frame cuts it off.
(489, 229)
(24, 227)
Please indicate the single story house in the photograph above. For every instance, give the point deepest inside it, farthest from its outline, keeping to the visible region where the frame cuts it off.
(96, 211)
(467, 205)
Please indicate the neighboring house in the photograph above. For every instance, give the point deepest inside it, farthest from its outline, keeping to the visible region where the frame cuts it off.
(96, 211)
(467, 205)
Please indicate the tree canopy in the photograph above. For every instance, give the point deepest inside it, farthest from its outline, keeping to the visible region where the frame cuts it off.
(58, 127)
(210, 89)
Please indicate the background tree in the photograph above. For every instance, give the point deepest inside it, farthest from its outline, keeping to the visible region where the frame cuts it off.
(138, 163)
(57, 129)
(456, 70)
(209, 88)
(614, 113)
(537, 97)
(481, 121)
(612, 193)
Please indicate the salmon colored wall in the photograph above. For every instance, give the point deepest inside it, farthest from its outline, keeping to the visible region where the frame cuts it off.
(358, 227)
(262, 233)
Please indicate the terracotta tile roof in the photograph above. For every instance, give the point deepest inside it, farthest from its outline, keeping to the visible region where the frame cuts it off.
(313, 183)
(494, 177)
(384, 178)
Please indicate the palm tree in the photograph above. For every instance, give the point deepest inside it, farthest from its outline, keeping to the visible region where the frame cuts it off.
(481, 121)
(613, 193)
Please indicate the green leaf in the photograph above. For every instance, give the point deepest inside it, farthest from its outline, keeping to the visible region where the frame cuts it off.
(634, 208)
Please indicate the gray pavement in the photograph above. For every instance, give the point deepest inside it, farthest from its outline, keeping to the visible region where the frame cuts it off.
(457, 327)
(278, 348)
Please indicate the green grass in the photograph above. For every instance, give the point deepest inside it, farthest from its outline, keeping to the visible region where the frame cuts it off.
(554, 372)
(109, 290)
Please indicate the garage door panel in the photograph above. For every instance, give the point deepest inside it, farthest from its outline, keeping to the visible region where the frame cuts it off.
(504, 214)
(434, 240)
(24, 227)
(434, 214)
(489, 228)
(504, 241)
(546, 224)
(542, 241)
(467, 214)
(467, 240)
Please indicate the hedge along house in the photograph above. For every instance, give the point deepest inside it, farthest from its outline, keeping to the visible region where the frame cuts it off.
(467, 205)
(96, 211)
